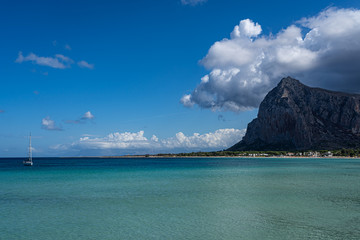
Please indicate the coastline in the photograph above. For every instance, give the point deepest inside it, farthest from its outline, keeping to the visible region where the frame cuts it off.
(184, 157)
(169, 156)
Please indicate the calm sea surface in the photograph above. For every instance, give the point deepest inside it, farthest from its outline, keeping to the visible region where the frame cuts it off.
(202, 198)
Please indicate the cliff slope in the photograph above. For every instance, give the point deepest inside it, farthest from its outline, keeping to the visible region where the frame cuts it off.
(293, 116)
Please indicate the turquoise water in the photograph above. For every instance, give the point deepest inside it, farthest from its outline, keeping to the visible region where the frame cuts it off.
(209, 198)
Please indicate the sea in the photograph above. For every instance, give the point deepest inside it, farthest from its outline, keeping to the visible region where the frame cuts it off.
(180, 198)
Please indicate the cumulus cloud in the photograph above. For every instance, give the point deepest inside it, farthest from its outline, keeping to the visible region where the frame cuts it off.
(192, 2)
(322, 51)
(87, 115)
(84, 64)
(48, 124)
(83, 119)
(127, 141)
(247, 28)
(186, 100)
(58, 61)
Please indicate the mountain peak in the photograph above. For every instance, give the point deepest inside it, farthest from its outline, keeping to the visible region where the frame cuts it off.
(288, 82)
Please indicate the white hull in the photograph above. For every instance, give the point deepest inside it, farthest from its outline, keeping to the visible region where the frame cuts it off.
(27, 163)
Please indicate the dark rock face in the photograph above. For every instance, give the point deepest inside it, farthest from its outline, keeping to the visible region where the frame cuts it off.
(297, 117)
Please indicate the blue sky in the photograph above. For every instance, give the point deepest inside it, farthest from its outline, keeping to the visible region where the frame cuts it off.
(108, 77)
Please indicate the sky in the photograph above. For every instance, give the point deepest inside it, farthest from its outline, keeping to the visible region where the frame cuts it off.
(91, 78)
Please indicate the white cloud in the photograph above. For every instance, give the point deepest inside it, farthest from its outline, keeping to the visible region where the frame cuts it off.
(83, 119)
(127, 141)
(116, 141)
(246, 28)
(48, 124)
(87, 115)
(219, 139)
(59, 61)
(64, 58)
(186, 100)
(84, 64)
(67, 47)
(192, 2)
(322, 51)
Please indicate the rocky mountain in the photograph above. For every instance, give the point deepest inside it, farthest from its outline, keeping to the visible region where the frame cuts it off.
(293, 116)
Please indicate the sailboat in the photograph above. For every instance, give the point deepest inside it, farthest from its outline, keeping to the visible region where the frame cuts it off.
(29, 162)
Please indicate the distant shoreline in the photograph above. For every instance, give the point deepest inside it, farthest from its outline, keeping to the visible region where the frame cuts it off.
(159, 157)
(143, 156)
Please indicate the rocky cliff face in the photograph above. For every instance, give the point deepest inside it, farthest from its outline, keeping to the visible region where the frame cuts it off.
(297, 117)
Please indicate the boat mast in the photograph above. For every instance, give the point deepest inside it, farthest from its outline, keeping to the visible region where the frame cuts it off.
(30, 154)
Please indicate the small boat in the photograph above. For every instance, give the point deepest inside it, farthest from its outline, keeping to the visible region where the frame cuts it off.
(29, 162)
